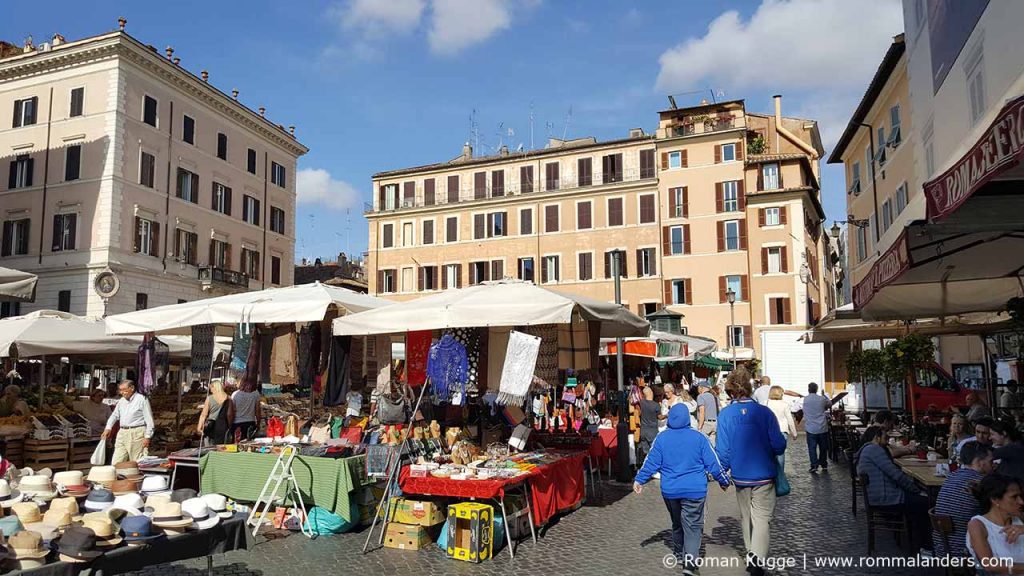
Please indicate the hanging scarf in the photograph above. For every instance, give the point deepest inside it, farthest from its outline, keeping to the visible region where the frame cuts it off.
(241, 343)
(547, 357)
(417, 348)
(517, 372)
(202, 348)
(470, 340)
(447, 367)
(251, 378)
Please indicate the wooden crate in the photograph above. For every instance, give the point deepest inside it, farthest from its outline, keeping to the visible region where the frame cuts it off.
(80, 451)
(51, 454)
(13, 449)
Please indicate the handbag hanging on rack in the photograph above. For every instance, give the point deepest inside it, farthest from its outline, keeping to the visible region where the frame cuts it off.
(391, 411)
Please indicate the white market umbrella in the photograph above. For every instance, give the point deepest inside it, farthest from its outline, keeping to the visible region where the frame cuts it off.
(499, 303)
(303, 303)
(17, 285)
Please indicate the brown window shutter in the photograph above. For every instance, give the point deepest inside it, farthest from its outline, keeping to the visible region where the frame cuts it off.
(684, 162)
(672, 202)
(213, 253)
(741, 195)
(479, 226)
(607, 264)
(195, 187)
(722, 290)
(743, 233)
(760, 217)
(782, 215)
(666, 241)
(639, 262)
(497, 270)
(419, 282)
(760, 177)
(654, 262)
(664, 160)
(744, 294)
(444, 277)
(193, 243)
(428, 191)
(688, 291)
(739, 150)
(773, 313)
(786, 312)
(458, 275)
(719, 198)
(764, 260)
(381, 203)
(479, 185)
(544, 269)
(686, 201)
(718, 153)
(721, 236)
(666, 296)
(453, 189)
(380, 280)
(780, 176)
(551, 218)
(784, 259)
(686, 238)
(135, 245)
(409, 192)
(747, 336)
(154, 245)
(227, 257)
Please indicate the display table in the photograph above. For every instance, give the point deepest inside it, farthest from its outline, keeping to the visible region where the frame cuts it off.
(324, 482)
(229, 535)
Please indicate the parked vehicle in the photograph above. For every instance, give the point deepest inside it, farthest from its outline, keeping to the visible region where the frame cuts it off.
(934, 386)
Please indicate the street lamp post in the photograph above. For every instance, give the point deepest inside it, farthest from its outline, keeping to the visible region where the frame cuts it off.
(731, 297)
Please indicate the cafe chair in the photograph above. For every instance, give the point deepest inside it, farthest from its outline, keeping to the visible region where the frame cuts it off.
(854, 480)
(883, 519)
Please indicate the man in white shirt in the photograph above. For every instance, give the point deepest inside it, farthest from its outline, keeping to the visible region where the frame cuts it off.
(132, 411)
(761, 394)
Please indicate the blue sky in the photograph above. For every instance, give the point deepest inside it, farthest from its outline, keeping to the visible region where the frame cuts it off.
(373, 85)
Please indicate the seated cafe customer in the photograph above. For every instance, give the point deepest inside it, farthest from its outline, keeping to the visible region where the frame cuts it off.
(956, 499)
(886, 420)
(996, 532)
(889, 489)
(982, 432)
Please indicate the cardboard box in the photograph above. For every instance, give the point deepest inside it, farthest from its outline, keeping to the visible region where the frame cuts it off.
(518, 519)
(470, 531)
(405, 537)
(416, 512)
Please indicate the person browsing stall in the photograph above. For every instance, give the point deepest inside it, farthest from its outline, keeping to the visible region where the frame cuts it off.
(11, 403)
(94, 410)
(135, 416)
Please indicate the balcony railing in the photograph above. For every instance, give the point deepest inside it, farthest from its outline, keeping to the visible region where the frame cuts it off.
(568, 181)
(714, 124)
(214, 276)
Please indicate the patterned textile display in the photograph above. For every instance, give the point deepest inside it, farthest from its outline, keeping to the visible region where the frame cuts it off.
(240, 346)
(151, 363)
(470, 340)
(251, 379)
(547, 358)
(283, 368)
(309, 354)
(517, 372)
(202, 348)
(574, 344)
(447, 367)
(417, 348)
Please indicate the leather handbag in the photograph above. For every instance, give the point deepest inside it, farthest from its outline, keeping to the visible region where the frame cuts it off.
(390, 411)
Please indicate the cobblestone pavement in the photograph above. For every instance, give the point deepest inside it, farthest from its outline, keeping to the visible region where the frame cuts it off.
(621, 533)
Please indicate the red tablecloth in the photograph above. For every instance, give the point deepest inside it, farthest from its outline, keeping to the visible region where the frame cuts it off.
(597, 448)
(554, 487)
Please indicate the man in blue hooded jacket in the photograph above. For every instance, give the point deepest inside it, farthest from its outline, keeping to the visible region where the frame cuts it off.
(684, 457)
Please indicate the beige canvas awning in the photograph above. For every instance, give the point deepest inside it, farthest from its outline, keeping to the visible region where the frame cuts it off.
(17, 285)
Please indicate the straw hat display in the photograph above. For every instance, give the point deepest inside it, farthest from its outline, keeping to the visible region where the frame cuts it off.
(154, 485)
(99, 499)
(37, 486)
(57, 519)
(27, 512)
(131, 504)
(218, 504)
(26, 549)
(9, 497)
(202, 518)
(120, 487)
(78, 545)
(106, 532)
(69, 478)
(169, 516)
(67, 504)
(104, 475)
(128, 470)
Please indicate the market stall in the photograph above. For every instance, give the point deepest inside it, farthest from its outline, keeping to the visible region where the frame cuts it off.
(17, 286)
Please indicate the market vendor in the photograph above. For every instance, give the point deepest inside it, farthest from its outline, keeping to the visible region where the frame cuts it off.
(132, 411)
(11, 403)
(94, 410)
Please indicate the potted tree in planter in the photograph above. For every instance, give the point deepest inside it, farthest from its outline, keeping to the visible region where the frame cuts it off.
(869, 365)
(904, 356)
(756, 144)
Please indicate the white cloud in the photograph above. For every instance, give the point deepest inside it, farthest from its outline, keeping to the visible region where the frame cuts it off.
(458, 24)
(373, 17)
(317, 186)
(790, 43)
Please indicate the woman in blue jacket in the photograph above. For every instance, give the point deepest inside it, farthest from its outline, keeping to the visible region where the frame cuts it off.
(684, 457)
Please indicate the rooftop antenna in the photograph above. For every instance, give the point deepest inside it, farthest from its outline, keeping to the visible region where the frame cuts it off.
(548, 126)
(568, 119)
(531, 125)
(713, 100)
(501, 135)
(672, 101)
(474, 133)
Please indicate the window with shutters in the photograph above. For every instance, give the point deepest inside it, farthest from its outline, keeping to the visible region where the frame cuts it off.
(675, 159)
(22, 168)
(551, 218)
(772, 217)
(894, 127)
(496, 225)
(734, 283)
(141, 301)
(645, 262)
(387, 284)
(732, 234)
(479, 272)
(551, 177)
(584, 172)
(680, 289)
(15, 240)
(479, 226)
(886, 215)
(647, 164)
(278, 176)
(779, 311)
(479, 185)
(451, 276)
(408, 234)
(525, 269)
(862, 244)
(770, 176)
(453, 189)
(221, 252)
(25, 111)
(615, 212)
(222, 198)
(276, 220)
(275, 270)
(145, 236)
(774, 259)
(149, 111)
(77, 102)
(387, 236)
(10, 309)
(64, 231)
(497, 183)
(222, 146)
(526, 221)
(429, 274)
(250, 160)
(730, 196)
(186, 245)
(428, 232)
(677, 240)
(429, 193)
(584, 215)
(497, 269)
(551, 270)
(679, 200)
(250, 209)
(901, 198)
(728, 152)
(251, 263)
(854, 179)
(648, 308)
(147, 170)
(188, 186)
(647, 209)
(451, 227)
(389, 196)
(609, 263)
(737, 336)
(408, 194)
(72, 162)
(611, 168)
(585, 266)
(64, 301)
(525, 179)
(188, 129)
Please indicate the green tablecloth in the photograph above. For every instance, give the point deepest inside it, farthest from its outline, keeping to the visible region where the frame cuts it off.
(324, 482)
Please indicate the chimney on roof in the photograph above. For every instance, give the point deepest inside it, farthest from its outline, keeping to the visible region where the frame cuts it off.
(263, 111)
(57, 39)
(303, 261)
(205, 75)
(703, 101)
(291, 129)
(169, 51)
(121, 22)
(177, 61)
(467, 151)
(27, 46)
(503, 151)
(234, 94)
(778, 108)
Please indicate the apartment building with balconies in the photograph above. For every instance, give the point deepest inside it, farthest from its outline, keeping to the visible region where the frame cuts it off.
(132, 182)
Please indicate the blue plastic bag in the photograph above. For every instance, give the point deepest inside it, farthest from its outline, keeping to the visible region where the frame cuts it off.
(322, 522)
(497, 541)
(782, 487)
